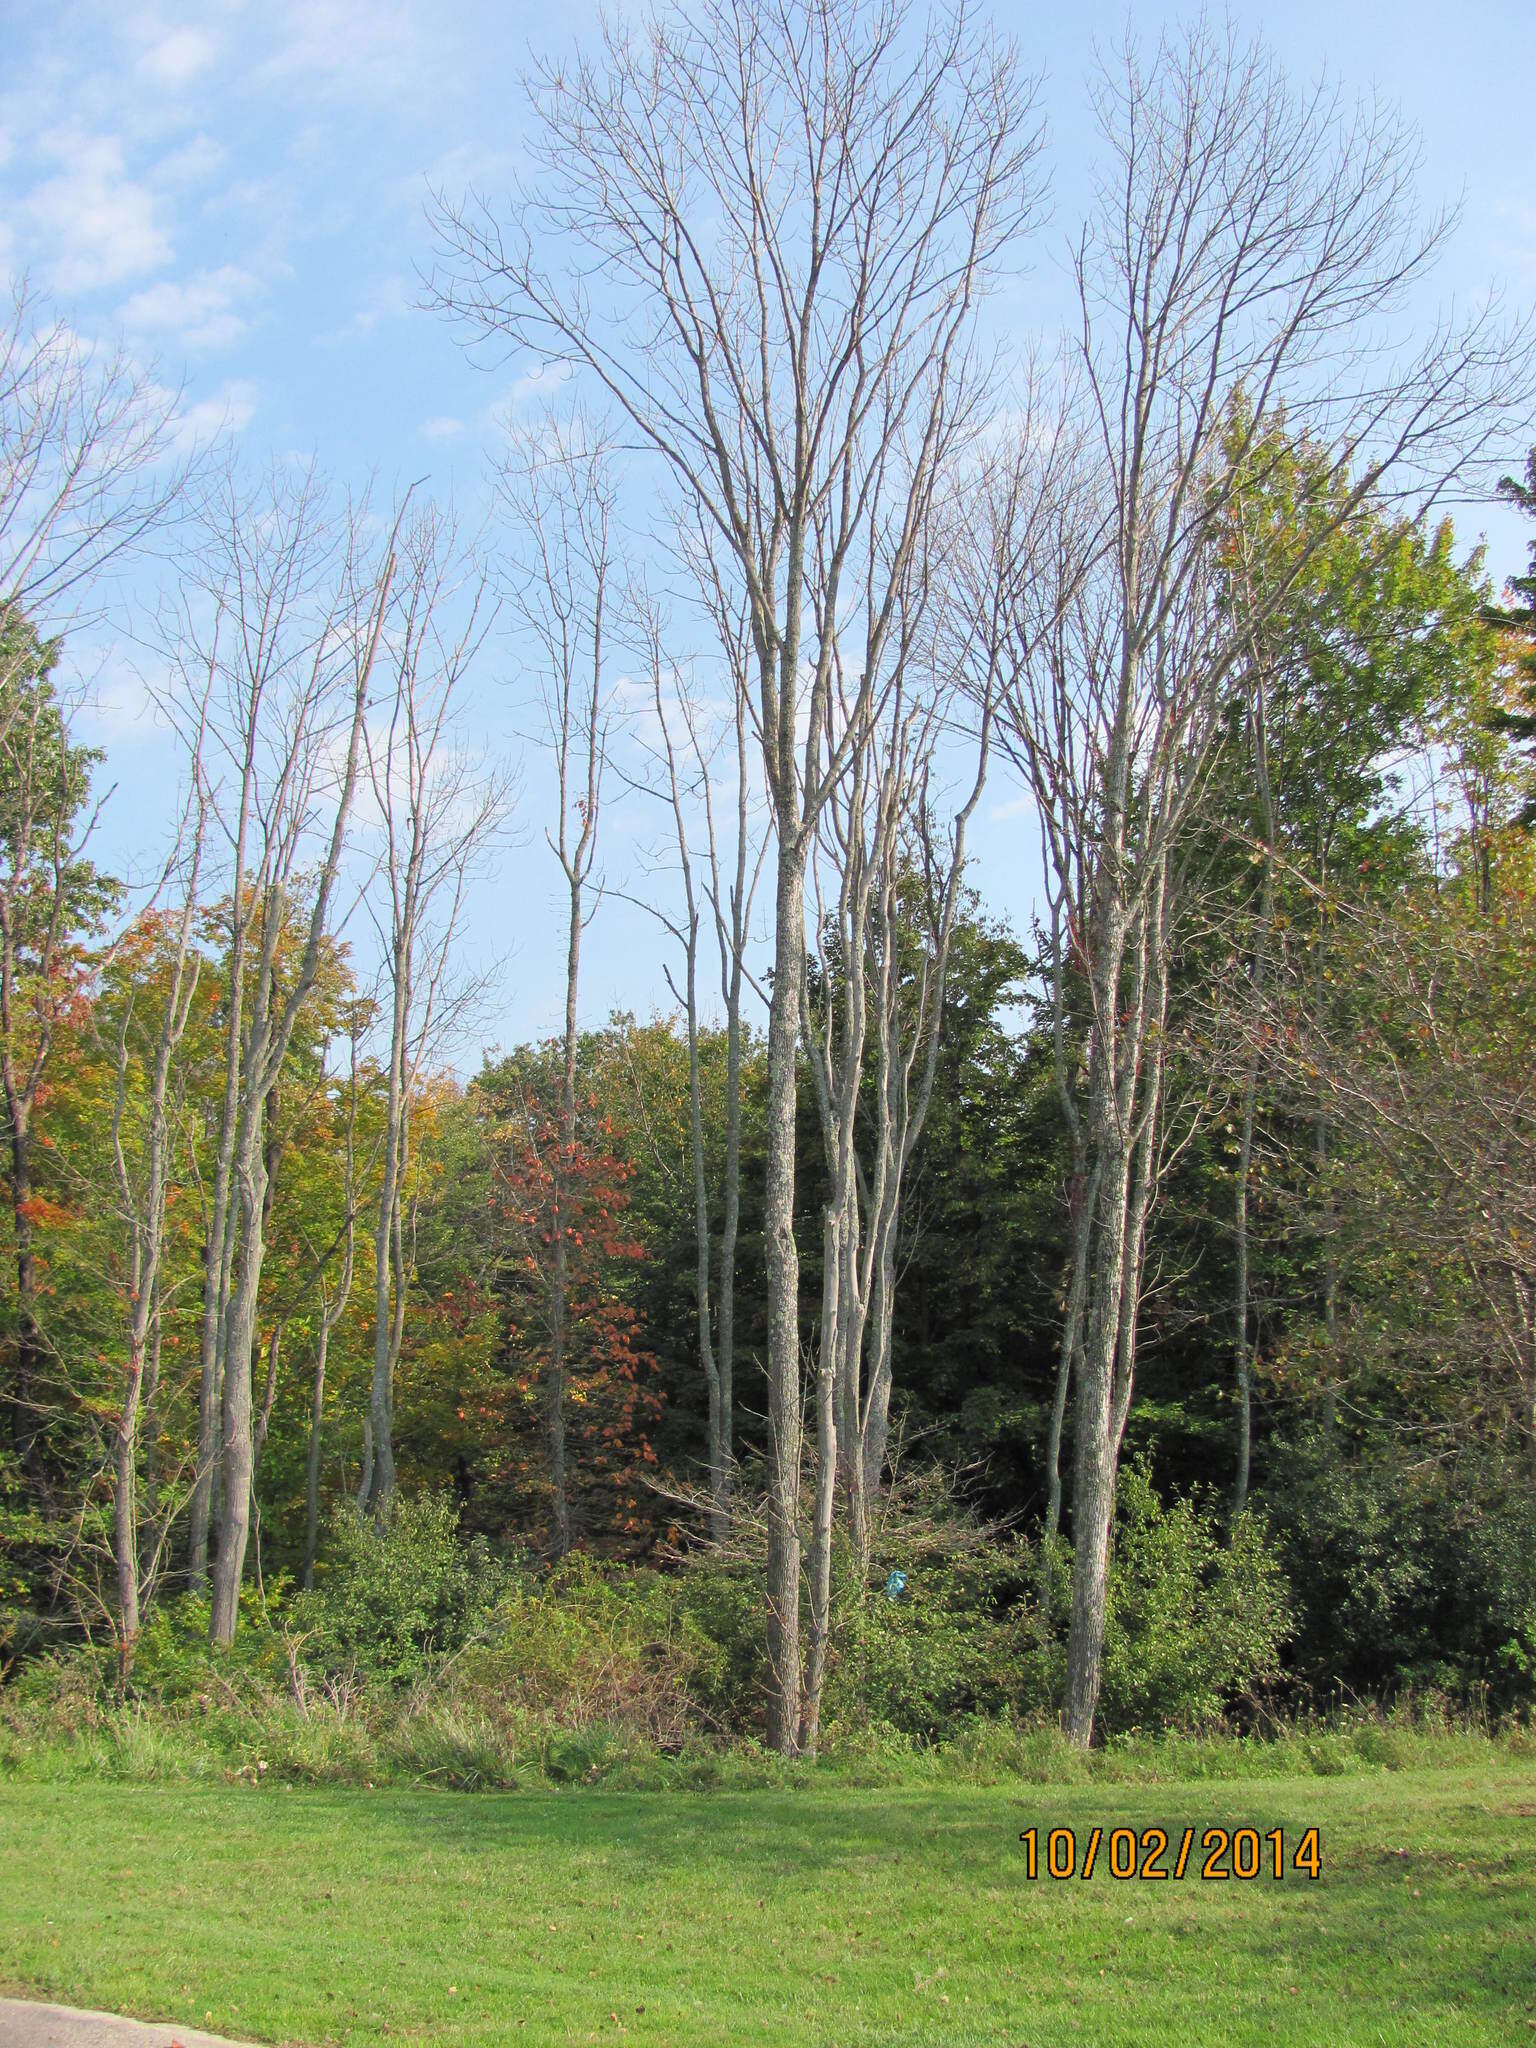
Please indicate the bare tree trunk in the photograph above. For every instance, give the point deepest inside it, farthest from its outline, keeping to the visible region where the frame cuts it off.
(1126, 1107)
(218, 1253)
(1240, 1345)
(559, 1305)
(438, 813)
(27, 1407)
(819, 1562)
(332, 1308)
(312, 1470)
(354, 625)
(719, 1426)
(730, 1227)
(783, 1274)
(1081, 1204)
(381, 1395)
(1093, 1484)
(125, 1522)
(152, 1426)
(237, 1461)
(144, 1214)
(217, 1264)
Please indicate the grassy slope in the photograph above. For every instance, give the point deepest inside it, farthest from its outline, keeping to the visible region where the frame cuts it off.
(817, 1915)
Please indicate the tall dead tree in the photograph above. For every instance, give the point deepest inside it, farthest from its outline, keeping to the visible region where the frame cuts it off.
(886, 889)
(299, 608)
(719, 869)
(333, 1294)
(558, 486)
(438, 808)
(88, 475)
(142, 1158)
(1247, 242)
(763, 231)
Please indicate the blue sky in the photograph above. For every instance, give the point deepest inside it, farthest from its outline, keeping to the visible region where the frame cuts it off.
(239, 190)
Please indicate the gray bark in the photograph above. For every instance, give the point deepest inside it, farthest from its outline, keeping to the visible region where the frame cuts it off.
(264, 1048)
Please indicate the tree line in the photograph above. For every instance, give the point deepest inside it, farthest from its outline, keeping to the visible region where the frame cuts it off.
(1227, 1158)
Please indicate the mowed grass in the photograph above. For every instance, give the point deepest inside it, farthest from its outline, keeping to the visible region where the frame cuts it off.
(819, 1914)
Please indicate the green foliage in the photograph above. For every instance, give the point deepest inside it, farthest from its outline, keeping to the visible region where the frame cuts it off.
(927, 1663)
(1195, 1623)
(1195, 1620)
(1414, 1580)
(597, 1651)
(394, 1595)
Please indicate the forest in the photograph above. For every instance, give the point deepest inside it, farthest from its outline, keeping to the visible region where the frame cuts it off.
(904, 1325)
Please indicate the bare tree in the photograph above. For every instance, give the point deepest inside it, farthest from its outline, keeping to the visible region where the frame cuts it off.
(89, 469)
(439, 808)
(557, 483)
(299, 610)
(333, 1296)
(886, 898)
(143, 1165)
(1247, 254)
(770, 225)
(720, 876)
(87, 475)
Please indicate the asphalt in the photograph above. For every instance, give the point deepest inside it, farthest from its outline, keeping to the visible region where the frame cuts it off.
(25, 2025)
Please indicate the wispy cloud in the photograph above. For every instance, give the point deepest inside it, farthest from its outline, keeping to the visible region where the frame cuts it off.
(199, 313)
(98, 224)
(178, 56)
(442, 428)
(193, 164)
(538, 383)
(388, 299)
(229, 411)
(354, 49)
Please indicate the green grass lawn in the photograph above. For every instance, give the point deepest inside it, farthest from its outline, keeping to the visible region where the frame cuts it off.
(818, 1914)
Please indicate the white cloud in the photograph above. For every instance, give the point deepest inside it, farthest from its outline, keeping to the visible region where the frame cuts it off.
(200, 313)
(352, 49)
(228, 411)
(96, 222)
(541, 382)
(176, 58)
(388, 299)
(119, 710)
(443, 428)
(194, 163)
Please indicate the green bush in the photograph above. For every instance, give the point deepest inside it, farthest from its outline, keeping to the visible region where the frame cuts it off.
(1194, 1623)
(589, 1649)
(722, 1599)
(1411, 1579)
(907, 1671)
(926, 1663)
(394, 1595)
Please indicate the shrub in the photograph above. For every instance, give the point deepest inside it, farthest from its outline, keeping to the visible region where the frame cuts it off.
(1411, 1578)
(590, 1649)
(393, 1595)
(924, 1664)
(1194, 1624)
